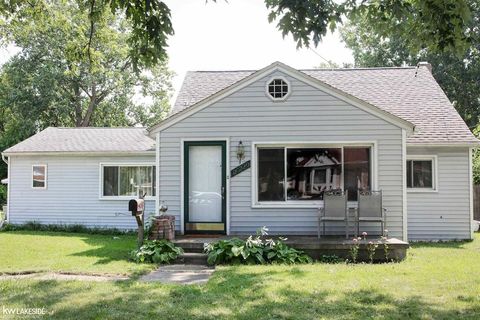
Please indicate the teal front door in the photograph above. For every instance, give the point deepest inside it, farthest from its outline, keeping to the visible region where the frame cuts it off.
(205, 186)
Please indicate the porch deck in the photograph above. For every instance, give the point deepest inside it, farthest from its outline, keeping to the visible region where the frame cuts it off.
(314, 247)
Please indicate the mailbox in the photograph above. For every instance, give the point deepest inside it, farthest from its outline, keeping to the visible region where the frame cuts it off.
(136, 206)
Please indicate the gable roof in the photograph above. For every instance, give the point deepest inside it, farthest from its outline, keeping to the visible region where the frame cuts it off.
(178, 115)
(409, 93)
(78, 140)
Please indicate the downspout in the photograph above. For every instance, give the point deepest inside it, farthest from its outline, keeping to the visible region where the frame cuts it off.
(7, 161)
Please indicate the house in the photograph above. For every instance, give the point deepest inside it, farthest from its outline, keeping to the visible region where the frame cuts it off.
(245, 149)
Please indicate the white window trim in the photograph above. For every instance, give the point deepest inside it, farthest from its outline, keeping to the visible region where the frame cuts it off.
(434, 160)
(46, 176)
(290, 144)
(120, 164)
(289, 88)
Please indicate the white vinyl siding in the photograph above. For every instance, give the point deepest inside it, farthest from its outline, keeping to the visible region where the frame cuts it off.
(73, 193)
(444, 214)
(308, 115)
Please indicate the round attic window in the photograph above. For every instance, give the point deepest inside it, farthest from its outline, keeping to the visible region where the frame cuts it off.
(278, 88)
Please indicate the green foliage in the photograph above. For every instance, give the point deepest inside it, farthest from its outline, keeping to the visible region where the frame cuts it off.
(70, 228)
(476, 159)
(440, 26)
(376, 46)
(436, 25)
(156, 251)
(3, 195)
(68, 74)
(354, 248)
(253, 250)
(371, 249)
(325, 258)
(149, 23)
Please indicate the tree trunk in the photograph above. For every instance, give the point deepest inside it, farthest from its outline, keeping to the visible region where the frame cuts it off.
(77, 104)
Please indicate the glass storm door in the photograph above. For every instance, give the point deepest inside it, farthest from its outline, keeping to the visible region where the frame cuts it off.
(205, 184)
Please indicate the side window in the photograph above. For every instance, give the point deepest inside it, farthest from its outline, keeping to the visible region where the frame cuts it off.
(39, 176)
(128, 181)
(420, 174)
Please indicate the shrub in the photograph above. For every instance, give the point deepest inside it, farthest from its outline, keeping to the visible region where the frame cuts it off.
(70, 228)
(254, 250)
(279, 252)
(330, 259)
(156, 251)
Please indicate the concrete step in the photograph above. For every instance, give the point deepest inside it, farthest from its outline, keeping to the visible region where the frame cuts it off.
(190, 247)
(194, 258)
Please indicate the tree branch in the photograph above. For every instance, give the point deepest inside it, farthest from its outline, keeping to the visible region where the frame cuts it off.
(92, 30)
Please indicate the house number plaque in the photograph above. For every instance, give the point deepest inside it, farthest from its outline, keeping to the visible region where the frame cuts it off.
(244, 166)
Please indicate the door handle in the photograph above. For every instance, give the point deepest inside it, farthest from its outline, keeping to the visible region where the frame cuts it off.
(223, 192)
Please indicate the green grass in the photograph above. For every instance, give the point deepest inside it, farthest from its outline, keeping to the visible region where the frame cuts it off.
(437, 281)
(22, 251)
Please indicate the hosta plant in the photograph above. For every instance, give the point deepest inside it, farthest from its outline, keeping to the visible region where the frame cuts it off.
(254, 250)
(156, 251)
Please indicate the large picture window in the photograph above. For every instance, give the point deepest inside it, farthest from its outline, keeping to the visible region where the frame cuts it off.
(311, 172)
(296, 174)
(128, 181)
(420, 174)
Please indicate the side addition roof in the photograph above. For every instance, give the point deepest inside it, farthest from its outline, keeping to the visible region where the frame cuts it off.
(79, 140)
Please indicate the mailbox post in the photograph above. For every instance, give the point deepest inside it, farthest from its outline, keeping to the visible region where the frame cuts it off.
(137, 208)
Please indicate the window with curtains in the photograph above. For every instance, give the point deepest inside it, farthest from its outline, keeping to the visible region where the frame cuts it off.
(288, 174)
(128, 181)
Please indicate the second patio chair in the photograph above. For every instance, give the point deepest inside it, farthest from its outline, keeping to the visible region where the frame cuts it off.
(370, 209)
(334, 209)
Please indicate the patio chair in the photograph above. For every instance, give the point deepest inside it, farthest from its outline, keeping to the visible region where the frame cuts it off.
(370, 209)
(334, 209)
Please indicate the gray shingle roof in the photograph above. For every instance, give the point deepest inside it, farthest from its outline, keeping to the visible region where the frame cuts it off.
(410, 93)
(86, 140)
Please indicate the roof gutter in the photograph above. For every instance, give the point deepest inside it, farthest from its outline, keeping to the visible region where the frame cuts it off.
(4, 158)
(440, 144)
(79, 153)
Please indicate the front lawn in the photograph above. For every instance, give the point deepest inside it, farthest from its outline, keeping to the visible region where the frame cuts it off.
(437, 281)
(25, 251)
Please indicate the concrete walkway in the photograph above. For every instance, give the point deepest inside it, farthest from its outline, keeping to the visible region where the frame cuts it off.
(61, 276)
(180, 274)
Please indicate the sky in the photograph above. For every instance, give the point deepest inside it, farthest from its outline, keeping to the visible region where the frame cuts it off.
(233, 35)
(236, 35)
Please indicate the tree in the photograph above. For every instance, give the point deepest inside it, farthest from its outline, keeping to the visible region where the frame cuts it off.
(457, 74)
(52, 77)
(476, 160)
(149, 22)
(439, 25)
(436, 25)
(52, 81)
